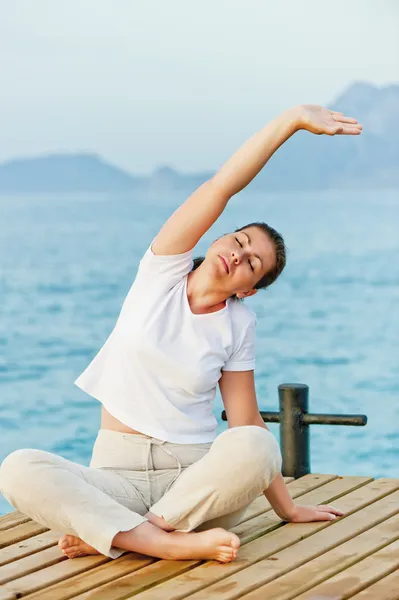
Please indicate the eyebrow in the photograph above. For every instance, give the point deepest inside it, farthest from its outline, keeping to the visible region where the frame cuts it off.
(249, 241)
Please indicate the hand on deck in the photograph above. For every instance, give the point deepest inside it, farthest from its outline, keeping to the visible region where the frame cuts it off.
(306, 514)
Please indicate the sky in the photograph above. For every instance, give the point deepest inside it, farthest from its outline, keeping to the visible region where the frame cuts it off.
(183, 83)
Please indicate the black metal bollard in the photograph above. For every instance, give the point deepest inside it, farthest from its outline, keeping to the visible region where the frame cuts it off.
(294, 422)
(294, 433)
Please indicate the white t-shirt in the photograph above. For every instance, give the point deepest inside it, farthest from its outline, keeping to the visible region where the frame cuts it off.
(158, 370)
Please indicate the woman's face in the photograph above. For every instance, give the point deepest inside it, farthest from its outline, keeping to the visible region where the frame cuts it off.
(239, 260)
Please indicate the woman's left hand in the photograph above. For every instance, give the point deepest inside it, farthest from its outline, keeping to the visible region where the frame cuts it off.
(306, 514)
(319, 120)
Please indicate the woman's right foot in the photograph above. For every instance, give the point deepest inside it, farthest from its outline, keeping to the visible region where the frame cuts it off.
(73, 547)
(211, 544)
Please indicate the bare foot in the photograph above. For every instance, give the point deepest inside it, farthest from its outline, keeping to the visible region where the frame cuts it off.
(73, 547)
(211, 544)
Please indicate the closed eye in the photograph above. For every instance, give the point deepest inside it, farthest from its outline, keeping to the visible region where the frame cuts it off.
(237, 240)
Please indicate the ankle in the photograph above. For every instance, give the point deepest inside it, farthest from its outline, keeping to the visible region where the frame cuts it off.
(169, 547)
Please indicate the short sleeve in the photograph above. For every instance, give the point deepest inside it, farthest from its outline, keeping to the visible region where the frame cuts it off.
(172, 267)
(243, 358)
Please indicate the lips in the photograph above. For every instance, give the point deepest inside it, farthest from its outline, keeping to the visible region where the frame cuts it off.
(226, 266)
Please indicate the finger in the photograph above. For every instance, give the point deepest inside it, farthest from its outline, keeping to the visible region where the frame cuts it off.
(335, 511)
(332, 509)
(342, 119)
(352, 125)
(324, 516)
(347, 131)
(333, 130)
(335, 112)
(350, 128)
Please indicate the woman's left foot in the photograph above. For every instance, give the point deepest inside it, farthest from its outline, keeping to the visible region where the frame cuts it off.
(73, 547)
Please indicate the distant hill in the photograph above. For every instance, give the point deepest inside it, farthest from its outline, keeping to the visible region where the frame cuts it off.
(319, 162)
(63, 173)
(306, 162)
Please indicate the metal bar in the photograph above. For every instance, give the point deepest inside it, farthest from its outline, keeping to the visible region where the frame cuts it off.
(267, 416)
(294, 420)
(294, 434)
(316, 419)
(270, 416)
(358, 420)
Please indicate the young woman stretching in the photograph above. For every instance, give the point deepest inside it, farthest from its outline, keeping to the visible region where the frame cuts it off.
(160, 481)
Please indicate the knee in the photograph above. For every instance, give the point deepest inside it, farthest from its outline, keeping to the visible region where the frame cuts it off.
(14, 470)
(254, 448)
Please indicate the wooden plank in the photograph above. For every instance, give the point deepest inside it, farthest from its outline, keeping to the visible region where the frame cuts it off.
(28, 546)
(323, 563)
(385, 589)
(31, 563)
(113, 570)
(267, 524)
(299, 487)
(277, 564)
(358, 577)
(330, 492)
(20, 532)
(11, 519)
(55, 573)
(146, 577)
(131, 584)
(45, 577)
(109, 572)
(203, 578)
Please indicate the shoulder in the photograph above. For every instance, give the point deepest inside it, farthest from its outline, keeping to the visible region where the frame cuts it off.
(241, 313)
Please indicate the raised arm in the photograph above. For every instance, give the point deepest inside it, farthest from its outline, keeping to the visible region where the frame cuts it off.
(198, 213)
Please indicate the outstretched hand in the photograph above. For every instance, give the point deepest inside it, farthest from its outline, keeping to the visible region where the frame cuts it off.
(306, 514)
(319, 120)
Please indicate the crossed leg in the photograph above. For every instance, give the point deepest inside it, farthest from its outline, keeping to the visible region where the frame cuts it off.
(68, 497)
(212, 493)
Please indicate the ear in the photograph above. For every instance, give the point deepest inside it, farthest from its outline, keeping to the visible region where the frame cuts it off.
(247, 294)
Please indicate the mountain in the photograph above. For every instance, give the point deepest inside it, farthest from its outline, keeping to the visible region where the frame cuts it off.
(305, 162)
(63, 173)
(319, 162)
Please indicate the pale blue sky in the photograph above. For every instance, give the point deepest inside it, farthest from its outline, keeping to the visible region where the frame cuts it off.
(177, 82)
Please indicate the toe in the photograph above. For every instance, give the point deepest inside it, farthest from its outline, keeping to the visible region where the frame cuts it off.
(72, 551)
(73, 540)
(235, 543)
(225, 558)
(225, 553)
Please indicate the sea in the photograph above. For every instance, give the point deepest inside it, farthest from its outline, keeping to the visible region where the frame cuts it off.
(331, 321)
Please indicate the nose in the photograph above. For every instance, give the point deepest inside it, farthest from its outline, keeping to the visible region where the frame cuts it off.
(237, 256)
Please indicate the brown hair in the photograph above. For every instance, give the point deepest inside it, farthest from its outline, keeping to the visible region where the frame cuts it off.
(281, 255)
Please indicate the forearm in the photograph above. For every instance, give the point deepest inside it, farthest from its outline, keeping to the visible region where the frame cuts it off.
(277, 493)
(280, 499)
(250, 159)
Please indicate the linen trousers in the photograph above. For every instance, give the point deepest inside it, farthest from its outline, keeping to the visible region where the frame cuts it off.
(192, 486)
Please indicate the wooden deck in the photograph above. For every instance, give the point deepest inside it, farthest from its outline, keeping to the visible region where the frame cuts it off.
(356, 556)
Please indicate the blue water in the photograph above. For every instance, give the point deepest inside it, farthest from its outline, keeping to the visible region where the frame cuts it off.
(331, 321)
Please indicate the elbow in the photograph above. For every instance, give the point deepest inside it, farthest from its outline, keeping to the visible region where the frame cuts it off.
(219, 187)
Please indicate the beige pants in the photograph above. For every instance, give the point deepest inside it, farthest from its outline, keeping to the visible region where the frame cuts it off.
(192, 486)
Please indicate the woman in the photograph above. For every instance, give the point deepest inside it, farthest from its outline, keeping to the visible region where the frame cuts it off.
(160, 481)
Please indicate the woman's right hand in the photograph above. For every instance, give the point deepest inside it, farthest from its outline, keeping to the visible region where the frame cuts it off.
(307, 514)
(319, 120)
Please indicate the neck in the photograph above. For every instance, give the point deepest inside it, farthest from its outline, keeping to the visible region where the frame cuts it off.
(202, 294)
